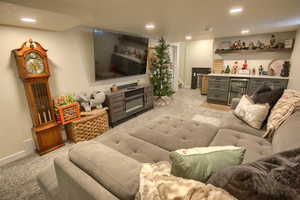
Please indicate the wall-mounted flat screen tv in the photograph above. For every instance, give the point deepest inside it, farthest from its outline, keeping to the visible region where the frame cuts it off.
(119, 55)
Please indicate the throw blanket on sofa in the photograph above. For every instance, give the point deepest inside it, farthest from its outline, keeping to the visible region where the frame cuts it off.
(285, 106)
(157, 183)
(275, 177)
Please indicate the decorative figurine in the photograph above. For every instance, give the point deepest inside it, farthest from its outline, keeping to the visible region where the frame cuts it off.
(260, 45)
(245, 65)
(227, 70)
(235, 67)
(90, 101)
(234, 45)
(98, 98)
(240, 44)
(84, 101)
(244, 45)
(273, 42)
(271, 72)
(252, 46)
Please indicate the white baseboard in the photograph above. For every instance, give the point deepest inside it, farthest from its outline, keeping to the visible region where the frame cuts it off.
(12, 157)
(28, 149)
(29, 146)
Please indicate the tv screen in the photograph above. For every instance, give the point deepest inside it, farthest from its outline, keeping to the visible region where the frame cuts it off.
(119, 55)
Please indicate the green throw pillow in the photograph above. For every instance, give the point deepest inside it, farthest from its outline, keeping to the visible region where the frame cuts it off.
(200, 163)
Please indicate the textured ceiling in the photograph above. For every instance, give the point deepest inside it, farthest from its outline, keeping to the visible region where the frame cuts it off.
(173, 18)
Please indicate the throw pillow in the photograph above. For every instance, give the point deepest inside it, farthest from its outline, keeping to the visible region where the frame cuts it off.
(200, 163)
(262, 89)
(274, 177)
(253, 114)
(270, 97)
(286, 105)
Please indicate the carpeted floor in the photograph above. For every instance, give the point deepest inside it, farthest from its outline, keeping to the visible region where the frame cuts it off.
(18, 179)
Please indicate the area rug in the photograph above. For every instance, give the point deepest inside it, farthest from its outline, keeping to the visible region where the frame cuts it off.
(207, 120)
(216, 107)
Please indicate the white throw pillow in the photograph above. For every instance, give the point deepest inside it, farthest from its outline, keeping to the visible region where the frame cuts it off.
(251, 113)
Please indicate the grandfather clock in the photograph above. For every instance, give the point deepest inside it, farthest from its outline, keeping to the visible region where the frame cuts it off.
(33, 68)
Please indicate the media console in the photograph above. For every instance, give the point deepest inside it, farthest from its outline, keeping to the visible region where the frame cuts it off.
(127, 102)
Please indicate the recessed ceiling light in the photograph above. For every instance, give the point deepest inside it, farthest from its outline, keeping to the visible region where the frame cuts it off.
(245, 31)
(188, 37)
(150, 26)
(235, 10)
(25, 19)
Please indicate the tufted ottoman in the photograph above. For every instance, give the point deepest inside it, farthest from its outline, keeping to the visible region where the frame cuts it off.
(156, 139)
(172, 133)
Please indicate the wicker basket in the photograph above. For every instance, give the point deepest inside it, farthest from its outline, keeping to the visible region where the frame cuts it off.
(88, 127)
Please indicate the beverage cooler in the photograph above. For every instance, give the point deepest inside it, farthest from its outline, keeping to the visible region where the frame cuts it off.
(238, 87)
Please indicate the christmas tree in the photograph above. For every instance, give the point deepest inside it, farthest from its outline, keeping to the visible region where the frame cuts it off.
(161, 74)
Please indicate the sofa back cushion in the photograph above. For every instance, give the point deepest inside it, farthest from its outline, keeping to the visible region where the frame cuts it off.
(118, 173)
(287, 137)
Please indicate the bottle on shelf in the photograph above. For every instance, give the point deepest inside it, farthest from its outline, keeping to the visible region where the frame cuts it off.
(260, 69)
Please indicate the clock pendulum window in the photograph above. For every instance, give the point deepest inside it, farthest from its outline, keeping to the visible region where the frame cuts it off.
(32, 62)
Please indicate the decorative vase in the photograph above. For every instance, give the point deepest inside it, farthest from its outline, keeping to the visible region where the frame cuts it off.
(285, 72)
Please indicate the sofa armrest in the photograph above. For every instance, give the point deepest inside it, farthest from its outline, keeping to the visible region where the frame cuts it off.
(234, 103)
(74, 184)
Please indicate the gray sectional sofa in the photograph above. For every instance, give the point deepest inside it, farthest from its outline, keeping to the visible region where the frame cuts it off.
(107, 168)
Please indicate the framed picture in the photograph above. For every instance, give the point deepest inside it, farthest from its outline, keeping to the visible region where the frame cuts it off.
(288, 44)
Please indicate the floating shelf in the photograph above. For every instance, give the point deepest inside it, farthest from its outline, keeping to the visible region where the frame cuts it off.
(230, 51)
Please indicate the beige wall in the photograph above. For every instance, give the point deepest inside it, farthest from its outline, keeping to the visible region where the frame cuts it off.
(182, 52)
(71, 63)
(197, 54)
(295, 65)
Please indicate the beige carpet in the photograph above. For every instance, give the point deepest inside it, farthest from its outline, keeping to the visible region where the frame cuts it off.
(18, 179)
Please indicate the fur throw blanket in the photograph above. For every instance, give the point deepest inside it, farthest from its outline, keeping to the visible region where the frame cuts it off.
(157, 183)
(275, 177)
(285, 106)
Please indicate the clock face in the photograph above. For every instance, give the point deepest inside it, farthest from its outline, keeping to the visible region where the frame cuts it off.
(34, 63)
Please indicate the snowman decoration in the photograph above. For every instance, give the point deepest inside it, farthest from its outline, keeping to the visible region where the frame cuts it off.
(98, 98)
(90, 101)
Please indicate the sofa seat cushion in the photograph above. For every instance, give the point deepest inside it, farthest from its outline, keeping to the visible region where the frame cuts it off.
(230, 121)
(256, 147)
(116, 172)
(172, 133)
(135, 148)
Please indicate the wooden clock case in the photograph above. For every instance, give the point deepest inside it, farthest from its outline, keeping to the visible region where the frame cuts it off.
(46, 132)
